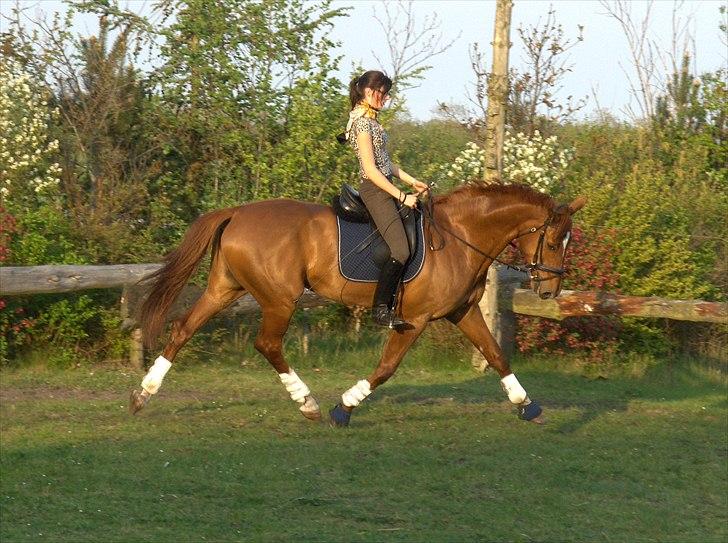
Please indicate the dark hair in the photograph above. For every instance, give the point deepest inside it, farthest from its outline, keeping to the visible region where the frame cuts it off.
(373, 79)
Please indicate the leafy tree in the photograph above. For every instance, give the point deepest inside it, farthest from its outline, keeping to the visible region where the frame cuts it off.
(100, 128)
(309, 163)
(228, 88)
(427, 149)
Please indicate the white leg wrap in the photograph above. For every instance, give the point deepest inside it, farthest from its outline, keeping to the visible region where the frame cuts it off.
(153, 379)
(295, 387)
(355, 395)
(514, 389)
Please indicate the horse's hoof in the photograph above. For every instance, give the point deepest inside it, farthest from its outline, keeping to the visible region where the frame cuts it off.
(310, 409)
(339, 416)
(138, 400)
(530, 412)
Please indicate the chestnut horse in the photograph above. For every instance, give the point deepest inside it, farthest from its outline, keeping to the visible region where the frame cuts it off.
(277, 248)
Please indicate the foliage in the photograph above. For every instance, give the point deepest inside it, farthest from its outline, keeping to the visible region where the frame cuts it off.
(73, 329)
(661, 187)
(105, 158)
(589, 265)
(238, 79)
(468, 165)
(427, 149)
(44, 236)
(12, 321)
(8, 227)
(100, 128)
(663, 191)
(535, 161)
(656, 256)
(15, 329)
(535, 100)
(27, 170)
(309, 163)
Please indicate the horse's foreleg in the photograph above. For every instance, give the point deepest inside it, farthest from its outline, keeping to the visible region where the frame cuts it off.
(397, 345)
(473, 326)
(212, 301)
(269, 343)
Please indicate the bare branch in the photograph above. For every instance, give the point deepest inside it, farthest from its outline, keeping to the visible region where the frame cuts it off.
(642, 52)
(410, 45)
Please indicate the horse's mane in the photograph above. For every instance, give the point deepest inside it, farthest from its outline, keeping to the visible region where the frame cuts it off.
(524, 193)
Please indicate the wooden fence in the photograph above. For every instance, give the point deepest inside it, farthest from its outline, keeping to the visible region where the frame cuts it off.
(501, 302)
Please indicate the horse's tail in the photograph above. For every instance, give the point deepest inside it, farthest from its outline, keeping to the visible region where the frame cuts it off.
(167, 282)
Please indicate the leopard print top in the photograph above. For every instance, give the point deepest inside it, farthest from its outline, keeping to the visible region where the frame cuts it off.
(379, 143)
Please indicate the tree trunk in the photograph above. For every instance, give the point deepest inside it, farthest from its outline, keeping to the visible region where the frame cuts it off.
(497, 93)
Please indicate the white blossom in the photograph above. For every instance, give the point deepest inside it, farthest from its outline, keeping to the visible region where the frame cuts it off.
(534, 161)
(24, 121)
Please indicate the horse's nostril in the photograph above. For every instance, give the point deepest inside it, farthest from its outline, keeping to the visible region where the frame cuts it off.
(545, 295)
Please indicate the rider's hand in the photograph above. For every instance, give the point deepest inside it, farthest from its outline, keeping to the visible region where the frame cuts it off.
(410, 200)
(419, 186)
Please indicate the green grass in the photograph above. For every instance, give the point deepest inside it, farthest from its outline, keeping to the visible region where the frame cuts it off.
(437, 454)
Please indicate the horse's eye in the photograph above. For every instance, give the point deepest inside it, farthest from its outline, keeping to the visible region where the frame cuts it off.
(551, 247)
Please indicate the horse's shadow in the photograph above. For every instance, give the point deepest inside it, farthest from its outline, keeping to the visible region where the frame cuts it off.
(590, 398)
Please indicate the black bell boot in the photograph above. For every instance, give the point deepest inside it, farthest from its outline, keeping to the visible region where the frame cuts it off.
(386, 294)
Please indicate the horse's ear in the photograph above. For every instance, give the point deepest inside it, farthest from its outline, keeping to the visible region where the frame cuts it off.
(577, 204)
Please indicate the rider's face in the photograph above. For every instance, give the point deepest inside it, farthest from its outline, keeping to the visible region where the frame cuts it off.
(376, 98)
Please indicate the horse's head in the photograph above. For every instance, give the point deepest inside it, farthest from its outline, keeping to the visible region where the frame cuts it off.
(545, 249)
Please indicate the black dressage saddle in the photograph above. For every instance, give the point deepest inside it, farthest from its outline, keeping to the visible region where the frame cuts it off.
(362, 250)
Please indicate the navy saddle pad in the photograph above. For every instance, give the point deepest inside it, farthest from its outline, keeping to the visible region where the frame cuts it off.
(358, 244)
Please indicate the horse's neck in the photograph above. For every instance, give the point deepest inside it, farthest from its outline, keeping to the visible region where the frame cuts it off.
(516, 217)
(491, 222)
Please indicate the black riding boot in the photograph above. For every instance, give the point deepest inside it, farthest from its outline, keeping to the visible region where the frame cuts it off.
(385, 296)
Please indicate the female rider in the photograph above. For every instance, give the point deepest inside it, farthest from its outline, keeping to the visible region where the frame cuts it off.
(368, 94)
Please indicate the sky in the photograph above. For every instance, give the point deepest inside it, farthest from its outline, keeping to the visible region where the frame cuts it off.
(596, 61)
(599, 62)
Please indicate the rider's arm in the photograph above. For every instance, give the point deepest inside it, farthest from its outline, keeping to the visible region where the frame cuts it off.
(403, 175)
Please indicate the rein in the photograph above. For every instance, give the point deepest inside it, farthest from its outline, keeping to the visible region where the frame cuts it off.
(530, 269)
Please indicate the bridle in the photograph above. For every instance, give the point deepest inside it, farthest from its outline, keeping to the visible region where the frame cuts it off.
(531, 269)
(536, 264)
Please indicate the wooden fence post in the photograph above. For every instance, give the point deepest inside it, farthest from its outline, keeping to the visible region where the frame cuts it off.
(136, 345)
(305, 331)
(497, 308)
(136, 349)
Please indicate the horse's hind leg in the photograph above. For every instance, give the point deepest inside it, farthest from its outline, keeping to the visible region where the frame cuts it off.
(221, 291)
(473, 326)
(276, 318)
(396, 347)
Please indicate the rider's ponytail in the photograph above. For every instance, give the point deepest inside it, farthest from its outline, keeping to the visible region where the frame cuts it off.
(356, 94)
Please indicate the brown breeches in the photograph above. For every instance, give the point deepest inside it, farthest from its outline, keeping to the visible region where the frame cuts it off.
(383, 210)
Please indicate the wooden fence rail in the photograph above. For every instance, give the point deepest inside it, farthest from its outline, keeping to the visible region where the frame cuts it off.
(15, 281)
(503, 298)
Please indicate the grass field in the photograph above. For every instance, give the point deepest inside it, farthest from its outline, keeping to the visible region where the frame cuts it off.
(437, 454)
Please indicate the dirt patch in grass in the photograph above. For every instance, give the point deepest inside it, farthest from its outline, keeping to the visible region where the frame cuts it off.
(43, 393)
